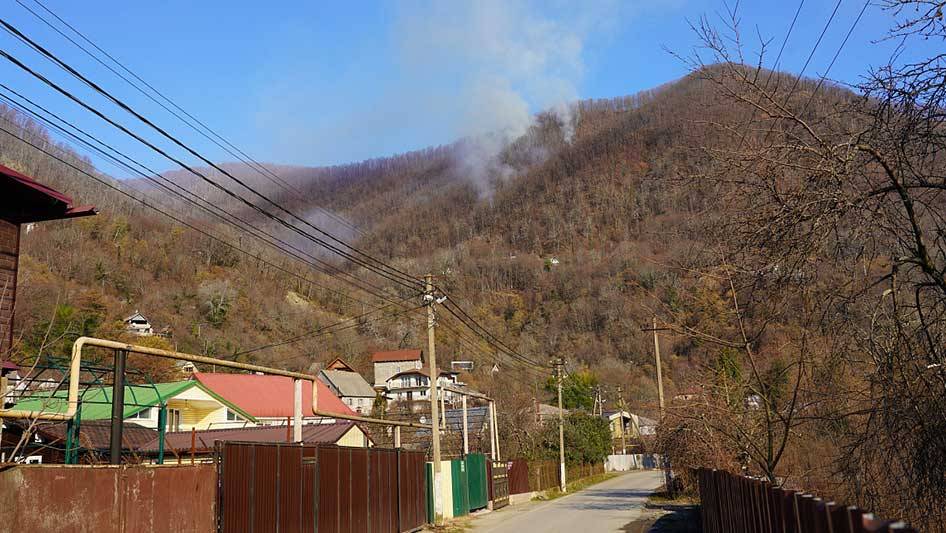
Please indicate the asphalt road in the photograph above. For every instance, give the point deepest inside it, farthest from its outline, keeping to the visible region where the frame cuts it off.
(605, 507)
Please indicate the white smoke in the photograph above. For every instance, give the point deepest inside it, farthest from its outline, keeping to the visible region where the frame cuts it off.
(510, 59)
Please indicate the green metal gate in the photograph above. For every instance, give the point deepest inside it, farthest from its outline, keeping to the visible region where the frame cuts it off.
(477, 480)
(461, 490)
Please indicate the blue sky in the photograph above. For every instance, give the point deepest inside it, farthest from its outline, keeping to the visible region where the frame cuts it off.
(317, 83)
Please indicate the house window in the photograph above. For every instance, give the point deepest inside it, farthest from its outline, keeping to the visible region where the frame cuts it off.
(144, 414)
(233, 417)
(174, 420)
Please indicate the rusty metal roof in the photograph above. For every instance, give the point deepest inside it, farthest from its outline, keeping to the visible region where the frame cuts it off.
(96, 434)
(396, 355)
(204, 439)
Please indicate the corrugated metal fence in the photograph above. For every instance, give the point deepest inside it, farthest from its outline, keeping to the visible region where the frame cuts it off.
(107, 499)
(285, 487)
(543, 475)
(737, 504)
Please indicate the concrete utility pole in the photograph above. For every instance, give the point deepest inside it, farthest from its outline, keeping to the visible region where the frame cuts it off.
(466, 438)
(660, 381)
(559, 363)
(621, 407)
(434, 407)
(297, 410)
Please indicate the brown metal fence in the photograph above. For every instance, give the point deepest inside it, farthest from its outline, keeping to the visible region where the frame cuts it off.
(286, 487)
(518, 473)
(106, 499)
(543, 475)
(737, 504)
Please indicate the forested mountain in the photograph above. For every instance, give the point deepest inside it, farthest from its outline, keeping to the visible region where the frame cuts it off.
(738, 206)
(591, 204)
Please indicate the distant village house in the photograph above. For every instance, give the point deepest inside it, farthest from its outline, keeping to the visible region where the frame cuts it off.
(349, 386)
(137, 324)
(387, 364)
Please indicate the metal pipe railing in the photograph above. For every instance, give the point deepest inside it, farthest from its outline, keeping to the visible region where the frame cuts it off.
(82, 342)
(75, 367)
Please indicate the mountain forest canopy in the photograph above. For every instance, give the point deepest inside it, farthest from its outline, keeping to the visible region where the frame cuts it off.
(786, 232)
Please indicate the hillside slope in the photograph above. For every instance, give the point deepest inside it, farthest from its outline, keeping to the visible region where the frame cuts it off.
(553, 247)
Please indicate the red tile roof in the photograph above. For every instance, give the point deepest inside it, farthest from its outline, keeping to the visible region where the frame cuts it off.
(269, 396)
(396, 355)
(205, 439)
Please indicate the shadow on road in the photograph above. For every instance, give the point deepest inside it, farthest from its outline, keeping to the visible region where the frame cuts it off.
(676, 519)
(605, 499)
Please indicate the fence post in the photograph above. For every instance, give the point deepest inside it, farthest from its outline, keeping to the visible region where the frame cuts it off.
(397, 473)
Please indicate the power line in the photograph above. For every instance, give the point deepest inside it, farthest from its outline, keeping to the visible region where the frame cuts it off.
(384, 270)
(480, 330)
(813, 50)
(325, 329)
(314, 262)
(243, 157)
(835, 58)
(366, 260)
(491, 355)
(165, 213)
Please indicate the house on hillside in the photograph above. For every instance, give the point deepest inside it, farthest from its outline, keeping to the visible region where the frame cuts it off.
(461, 366)
(349, 386)
(23, 201)
(545, 412)
(414, 385)
(386, 364)
(339, 364)
(643, 426)
(620, 423)
(270, 399)
(345, 433)
(137, 324)
(188, 405)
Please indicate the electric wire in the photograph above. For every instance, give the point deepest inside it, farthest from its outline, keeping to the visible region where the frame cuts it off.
(213, 135)
(323, 330)
(358, 257)
(292, 227)
(835, 58)
(476, 327)
(242, 225)
(167, 213)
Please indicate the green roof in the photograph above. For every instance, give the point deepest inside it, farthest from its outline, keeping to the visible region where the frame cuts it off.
(96, 402)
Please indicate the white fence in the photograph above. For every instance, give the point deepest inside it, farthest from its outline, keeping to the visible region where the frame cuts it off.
(639, 461)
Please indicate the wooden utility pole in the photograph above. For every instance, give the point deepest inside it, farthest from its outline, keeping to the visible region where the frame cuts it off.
(559, 363)
(660, 392)
(660, 381)
(434, 407)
